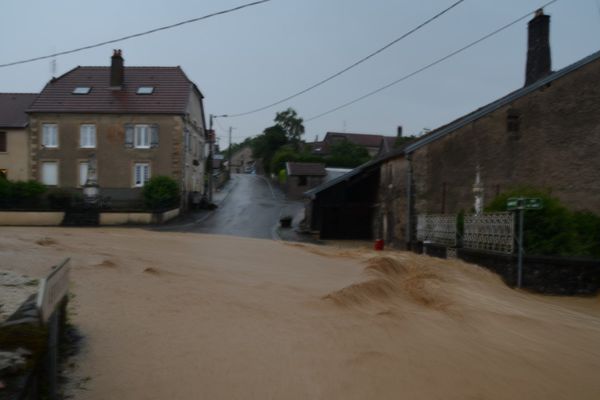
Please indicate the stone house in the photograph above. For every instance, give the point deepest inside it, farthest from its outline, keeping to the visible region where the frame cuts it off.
(544, 135)
(242, 160)
(137, 122)
(14, 139)
(302, 176)
(371, 142)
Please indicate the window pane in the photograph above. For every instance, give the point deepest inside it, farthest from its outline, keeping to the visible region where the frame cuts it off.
(50, 173)
(142, 136)
(50, 135)
(87, 137)
(2, 142)
(83, 173)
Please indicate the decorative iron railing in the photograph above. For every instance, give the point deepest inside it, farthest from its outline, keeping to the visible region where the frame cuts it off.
(437, 228)
(490, 232)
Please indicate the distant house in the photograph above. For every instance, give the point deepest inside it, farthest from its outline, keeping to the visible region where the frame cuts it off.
(242, 160)
(370, 142)
(302, 176)
(138, 122)
(14, 140)
(544, 135)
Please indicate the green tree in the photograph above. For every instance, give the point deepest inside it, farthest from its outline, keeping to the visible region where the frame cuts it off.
(266, 145)
(346, 154)
(161, 192)
(292, 125)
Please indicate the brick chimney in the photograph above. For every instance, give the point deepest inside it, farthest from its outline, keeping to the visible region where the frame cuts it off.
(538, 48)
(117, 70)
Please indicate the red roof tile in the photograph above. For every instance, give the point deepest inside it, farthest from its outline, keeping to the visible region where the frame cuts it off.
(12, 109)
(170, 96)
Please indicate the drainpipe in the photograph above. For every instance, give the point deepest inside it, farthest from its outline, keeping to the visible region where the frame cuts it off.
(409, 203)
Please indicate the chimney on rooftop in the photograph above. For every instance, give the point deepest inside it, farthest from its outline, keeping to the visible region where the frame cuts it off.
(399, 131)
(538, 48)
(117, 71)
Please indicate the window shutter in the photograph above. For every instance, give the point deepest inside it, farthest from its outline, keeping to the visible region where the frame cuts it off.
(128, 135)
(154, 135)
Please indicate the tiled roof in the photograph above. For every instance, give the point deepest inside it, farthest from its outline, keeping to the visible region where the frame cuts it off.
(12, 109)
(170, 95)
(361, 139)
(305, 169)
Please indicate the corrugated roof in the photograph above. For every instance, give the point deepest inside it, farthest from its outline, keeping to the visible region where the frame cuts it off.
(305, 169)
(170, 95)
(12, 109)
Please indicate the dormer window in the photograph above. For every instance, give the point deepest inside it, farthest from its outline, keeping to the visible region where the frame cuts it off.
(145, 90)
(82, 90)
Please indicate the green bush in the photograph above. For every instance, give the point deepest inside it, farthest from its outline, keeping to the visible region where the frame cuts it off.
(161, 192)
(554, 230)
(20, 194)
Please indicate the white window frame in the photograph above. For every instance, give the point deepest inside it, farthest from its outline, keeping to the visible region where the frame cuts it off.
(87, 136)
(50, 136)
(81, 181)
(42, 174)
(142, 136)
(145, 173)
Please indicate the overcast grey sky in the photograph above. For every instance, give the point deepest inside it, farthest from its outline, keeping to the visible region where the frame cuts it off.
(258, 55)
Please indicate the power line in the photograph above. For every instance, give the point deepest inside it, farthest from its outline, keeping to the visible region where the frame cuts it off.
(351, 66)
(439, 60)
(162, 28)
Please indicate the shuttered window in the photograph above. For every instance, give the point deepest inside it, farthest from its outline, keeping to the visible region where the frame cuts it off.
(87, 136)
(141, 136)
(141, 174)
(49, 173)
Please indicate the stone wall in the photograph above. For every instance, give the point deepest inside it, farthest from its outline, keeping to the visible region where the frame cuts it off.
(390, 221)
(115, 161)
(548, 139)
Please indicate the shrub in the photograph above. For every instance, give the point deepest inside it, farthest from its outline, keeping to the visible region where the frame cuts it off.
(554, 230)
(161, 192)
(20, 194)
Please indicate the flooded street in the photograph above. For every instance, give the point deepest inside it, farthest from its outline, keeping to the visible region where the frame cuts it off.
(182, 315)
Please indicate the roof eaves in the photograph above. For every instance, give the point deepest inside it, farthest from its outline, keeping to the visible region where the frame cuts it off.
(483, 111)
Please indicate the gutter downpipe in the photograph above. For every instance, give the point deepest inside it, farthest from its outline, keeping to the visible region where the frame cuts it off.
(409, 205)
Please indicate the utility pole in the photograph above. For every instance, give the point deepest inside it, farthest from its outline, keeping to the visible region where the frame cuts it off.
(211, 141)
(229, 151)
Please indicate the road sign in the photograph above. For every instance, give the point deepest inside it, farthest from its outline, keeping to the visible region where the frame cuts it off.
(52, 290)
(522, 203)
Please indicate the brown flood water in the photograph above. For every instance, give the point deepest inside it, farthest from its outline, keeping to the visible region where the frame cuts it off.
(187, 316)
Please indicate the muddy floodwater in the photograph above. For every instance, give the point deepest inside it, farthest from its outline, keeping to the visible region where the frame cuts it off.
(191, 316)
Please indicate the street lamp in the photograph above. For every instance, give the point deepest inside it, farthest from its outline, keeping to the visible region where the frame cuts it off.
(211, 140)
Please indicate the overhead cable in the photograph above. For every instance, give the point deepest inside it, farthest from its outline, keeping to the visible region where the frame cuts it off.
(439, 60)
(135, 35)
(321, 82)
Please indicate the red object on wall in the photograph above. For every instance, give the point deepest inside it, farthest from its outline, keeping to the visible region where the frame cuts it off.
(379, 244)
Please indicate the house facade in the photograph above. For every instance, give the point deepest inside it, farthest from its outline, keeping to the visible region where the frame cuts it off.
(136, 122)
(302, 176)
(14, 139)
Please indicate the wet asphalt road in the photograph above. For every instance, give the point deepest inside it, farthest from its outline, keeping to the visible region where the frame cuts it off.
(249, 206)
